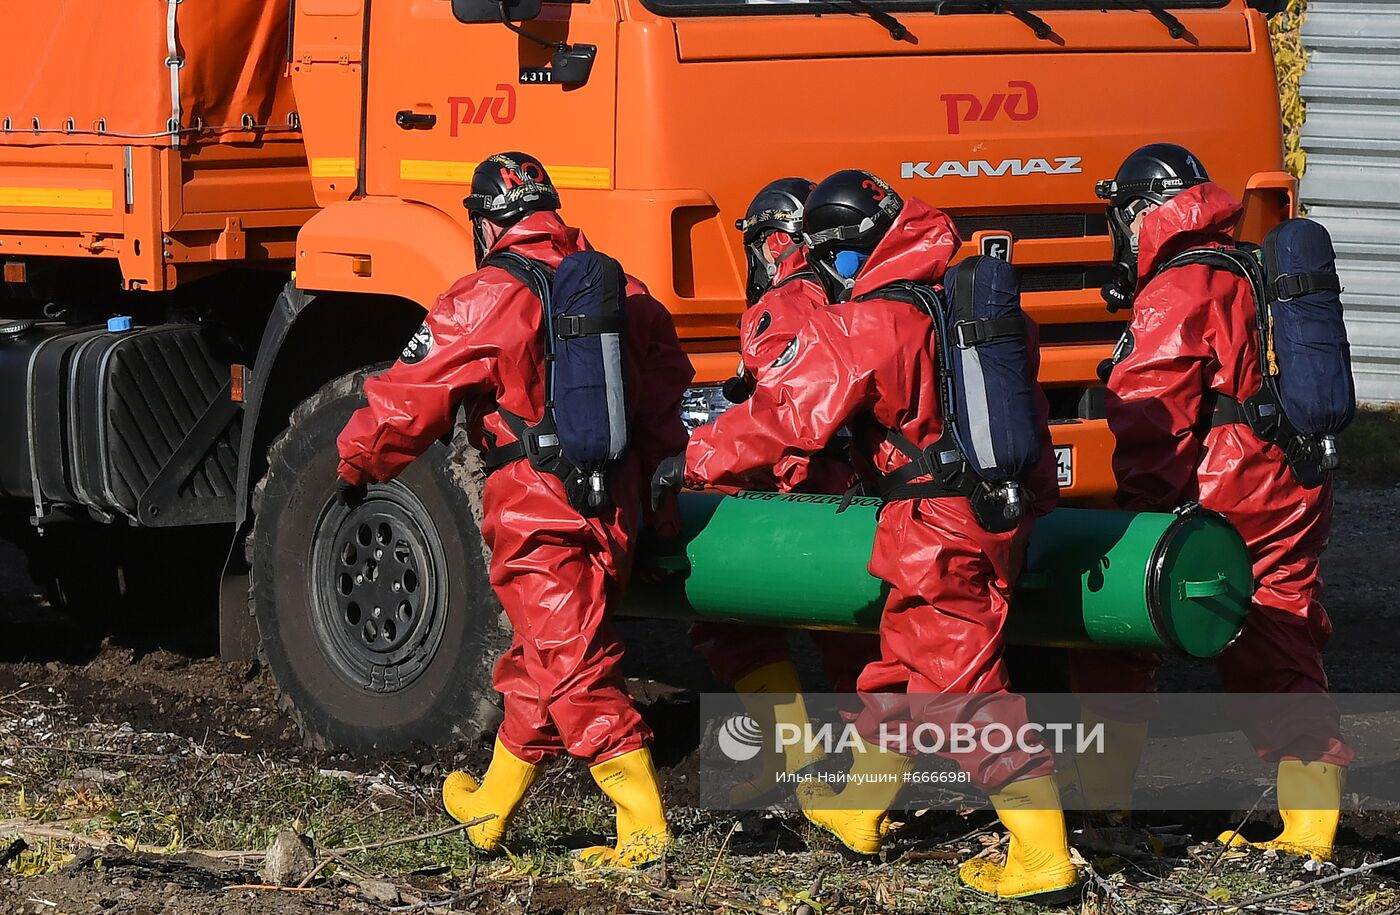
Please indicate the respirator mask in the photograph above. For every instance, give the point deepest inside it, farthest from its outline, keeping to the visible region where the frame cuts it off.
(837, 271)
(479, 240)
(761, 271)
(1118, 291)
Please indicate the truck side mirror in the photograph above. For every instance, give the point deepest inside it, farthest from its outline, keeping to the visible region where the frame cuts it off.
(572, 63)
(492, 10)
(571, 66)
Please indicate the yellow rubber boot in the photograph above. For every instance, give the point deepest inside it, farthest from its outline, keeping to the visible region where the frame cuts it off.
(1309, 801)
(1038, 867)
(772, 696)
(1106, 779)
(858, 815)
(498, 796)
(642, 834)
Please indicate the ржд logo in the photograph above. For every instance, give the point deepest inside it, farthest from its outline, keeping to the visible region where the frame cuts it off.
(1021, 104)
(469, 110)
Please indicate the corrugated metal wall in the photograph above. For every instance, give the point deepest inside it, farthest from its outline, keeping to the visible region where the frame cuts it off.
(1352, 182)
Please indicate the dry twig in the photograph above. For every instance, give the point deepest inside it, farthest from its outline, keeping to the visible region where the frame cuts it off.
(1110, 892)
(711, 875)
(677, 896)
(1220, 856)
(92, 751)
(420, 837)
(306, 881)
(1270, 897)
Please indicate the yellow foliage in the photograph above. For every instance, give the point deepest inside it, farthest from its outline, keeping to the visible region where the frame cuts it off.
(87, 801)
(41, 858)
(1290, 60)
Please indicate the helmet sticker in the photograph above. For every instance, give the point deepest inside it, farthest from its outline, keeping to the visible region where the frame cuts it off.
(419, 346)
(792, 215)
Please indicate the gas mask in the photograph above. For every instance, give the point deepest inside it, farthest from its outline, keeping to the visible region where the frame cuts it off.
(479, 240)
(848, 264)
(837, 271)
(761, 271)
(1118, 291)
(837, 281)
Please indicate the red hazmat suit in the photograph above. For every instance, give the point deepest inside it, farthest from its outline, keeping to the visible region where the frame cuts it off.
(557, 573)
(732, 649)
(950, 580)
(1193, 333)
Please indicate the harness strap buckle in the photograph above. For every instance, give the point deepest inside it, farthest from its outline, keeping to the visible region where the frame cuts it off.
(568, 327)
(1292, 285)
(984, 330)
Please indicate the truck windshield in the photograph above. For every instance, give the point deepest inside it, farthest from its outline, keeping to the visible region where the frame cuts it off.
(960, 7)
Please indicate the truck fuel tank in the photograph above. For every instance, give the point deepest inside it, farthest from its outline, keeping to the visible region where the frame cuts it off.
(33, 351)
(132, 423)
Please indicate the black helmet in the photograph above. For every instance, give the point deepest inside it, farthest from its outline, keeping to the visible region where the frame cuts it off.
(849, 211)
(509, 185)
(1153, 174)
(775, 208)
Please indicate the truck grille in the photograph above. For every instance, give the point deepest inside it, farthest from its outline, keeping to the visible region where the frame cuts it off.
(1096, 332)
(1035, 225)
(1063, 279)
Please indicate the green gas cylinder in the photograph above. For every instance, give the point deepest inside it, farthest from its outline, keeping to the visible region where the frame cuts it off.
(1093, 579)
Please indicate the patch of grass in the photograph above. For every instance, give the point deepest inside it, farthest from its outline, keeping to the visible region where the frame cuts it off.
(551, 814)
(1371, 447)
(188, 799)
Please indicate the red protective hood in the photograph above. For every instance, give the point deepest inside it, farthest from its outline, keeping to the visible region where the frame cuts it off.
(1205, 214)
(542, 237)
(916, 248)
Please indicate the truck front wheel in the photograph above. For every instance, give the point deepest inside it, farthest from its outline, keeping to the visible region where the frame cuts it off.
(377, 619)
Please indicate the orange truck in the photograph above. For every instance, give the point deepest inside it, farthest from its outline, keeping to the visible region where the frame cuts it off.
(216, 217)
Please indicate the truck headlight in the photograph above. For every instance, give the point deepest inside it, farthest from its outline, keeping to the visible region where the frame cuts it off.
(702, 404)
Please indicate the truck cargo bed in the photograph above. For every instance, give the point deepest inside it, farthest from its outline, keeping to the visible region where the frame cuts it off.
(143, 134)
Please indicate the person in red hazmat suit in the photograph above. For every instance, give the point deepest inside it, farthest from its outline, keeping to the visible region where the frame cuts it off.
(1190, 348)
(756, 660)
(557, 573)
(869, 363)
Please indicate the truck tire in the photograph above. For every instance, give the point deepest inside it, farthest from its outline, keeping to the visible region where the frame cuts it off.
(377, 621)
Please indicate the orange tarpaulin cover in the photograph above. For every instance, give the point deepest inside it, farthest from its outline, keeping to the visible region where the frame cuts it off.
(96, 72)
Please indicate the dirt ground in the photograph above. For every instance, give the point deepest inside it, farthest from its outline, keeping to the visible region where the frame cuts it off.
(125, 748)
